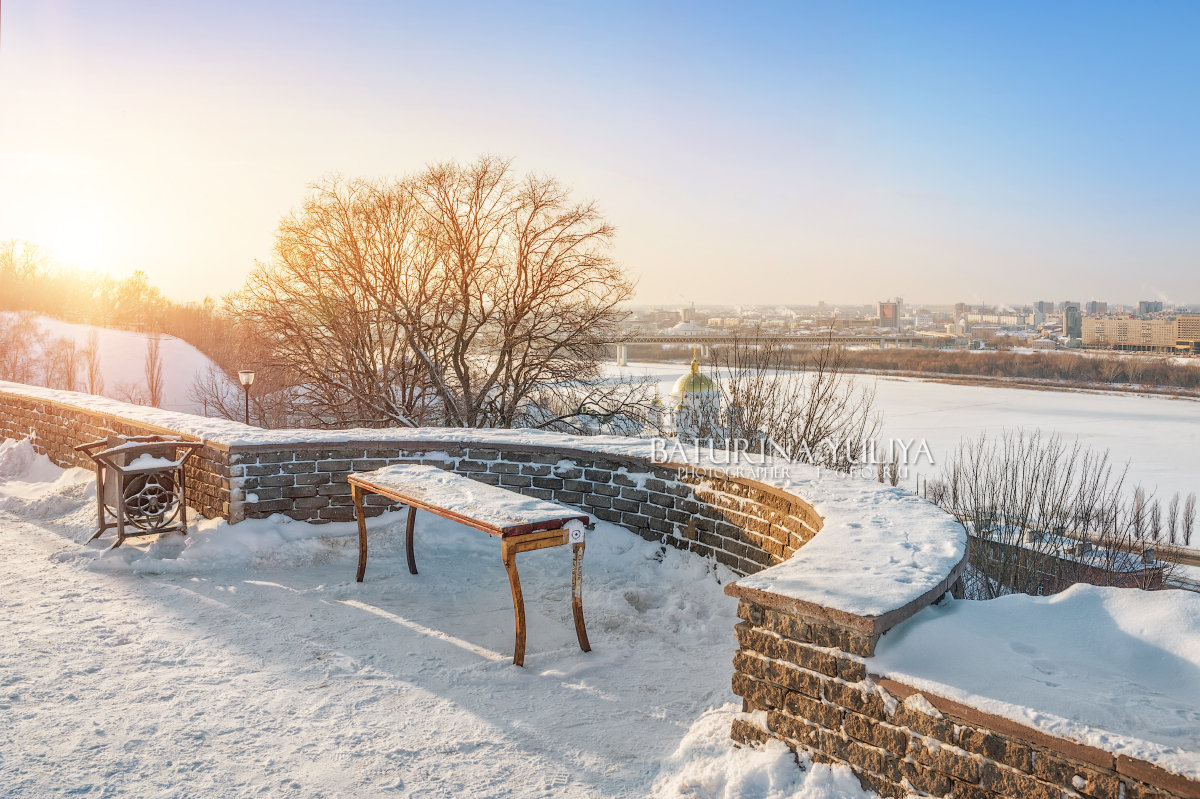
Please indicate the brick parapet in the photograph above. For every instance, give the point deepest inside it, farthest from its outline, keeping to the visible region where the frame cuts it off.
(741, 524)
(812, 681)
(55, 428)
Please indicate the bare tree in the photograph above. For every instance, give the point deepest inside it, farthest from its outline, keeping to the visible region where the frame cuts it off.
(521, 286)
(1140, 517)
(462, 295)
(20, 347)
(91, 361)
(154, 370)
(1173, 518)
(1187, 520)
(324, 307)
(60, 364)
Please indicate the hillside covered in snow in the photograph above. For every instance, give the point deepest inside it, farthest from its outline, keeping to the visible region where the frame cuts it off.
(122, 361)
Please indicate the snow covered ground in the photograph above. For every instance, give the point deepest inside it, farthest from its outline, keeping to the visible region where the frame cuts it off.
(1156, 435)
(1114, 668)
(122, 359)
(246, 660)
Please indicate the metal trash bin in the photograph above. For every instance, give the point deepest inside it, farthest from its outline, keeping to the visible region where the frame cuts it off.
(140, 484)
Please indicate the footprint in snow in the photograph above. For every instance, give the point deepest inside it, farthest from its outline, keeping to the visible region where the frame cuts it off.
(1022, 648)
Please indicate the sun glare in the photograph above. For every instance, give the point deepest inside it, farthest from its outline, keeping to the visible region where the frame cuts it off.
(81, 237)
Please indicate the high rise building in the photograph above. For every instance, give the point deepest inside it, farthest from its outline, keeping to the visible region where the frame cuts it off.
(1072, 320)
(1149, 306)
(1095, 307)
(1043, 306)
(889, 314)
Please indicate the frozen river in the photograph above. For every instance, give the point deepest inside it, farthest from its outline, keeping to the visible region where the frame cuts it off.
(1159, 437)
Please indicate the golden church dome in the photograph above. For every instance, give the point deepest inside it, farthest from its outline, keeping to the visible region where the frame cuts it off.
(694, 382)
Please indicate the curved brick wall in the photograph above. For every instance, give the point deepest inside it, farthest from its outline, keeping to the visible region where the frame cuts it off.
(803, 665)
(744, 525)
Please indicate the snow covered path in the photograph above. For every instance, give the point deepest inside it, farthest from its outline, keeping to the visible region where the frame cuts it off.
(247, 661)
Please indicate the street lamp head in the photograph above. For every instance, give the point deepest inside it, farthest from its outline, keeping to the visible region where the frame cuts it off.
(246, 376)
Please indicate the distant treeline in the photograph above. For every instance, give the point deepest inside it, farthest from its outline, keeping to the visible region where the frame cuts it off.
(1076, 369)
(29, 281)
(1073, 369)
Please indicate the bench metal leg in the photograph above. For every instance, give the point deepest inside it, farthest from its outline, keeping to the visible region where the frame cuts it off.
(357, 493)
(577, 594)
(509, 555)
(410, 527)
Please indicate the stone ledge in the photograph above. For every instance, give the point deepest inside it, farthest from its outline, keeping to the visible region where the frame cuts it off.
(1139, 770)
(868, 625)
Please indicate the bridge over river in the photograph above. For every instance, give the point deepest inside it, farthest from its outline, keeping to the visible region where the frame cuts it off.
(706, 340)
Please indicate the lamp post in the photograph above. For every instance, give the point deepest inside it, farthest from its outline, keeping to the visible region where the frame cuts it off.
(246, 376)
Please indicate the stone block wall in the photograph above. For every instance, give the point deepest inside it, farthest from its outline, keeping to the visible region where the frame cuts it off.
(55, 428)
(742, 524)
(808, 683)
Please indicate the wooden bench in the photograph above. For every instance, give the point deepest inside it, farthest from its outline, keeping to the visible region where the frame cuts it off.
(523, 524)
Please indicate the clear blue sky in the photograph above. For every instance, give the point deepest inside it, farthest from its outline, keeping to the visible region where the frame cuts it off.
(942, 151)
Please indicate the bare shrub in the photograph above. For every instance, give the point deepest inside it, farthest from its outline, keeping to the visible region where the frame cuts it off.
(1044, 513)
(811, 408)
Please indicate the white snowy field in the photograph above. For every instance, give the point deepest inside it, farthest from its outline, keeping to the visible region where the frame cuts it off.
(245, 660)
(1157, 436)
(123, 356)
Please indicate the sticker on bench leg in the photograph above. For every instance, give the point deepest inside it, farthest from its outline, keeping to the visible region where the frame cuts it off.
(575, 531)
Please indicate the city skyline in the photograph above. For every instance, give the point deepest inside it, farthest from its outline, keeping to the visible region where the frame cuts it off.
(952, 153)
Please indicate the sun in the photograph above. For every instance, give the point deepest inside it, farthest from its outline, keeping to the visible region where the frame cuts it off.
(82, 237)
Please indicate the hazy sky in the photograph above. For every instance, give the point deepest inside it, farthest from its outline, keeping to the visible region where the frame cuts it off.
(832, 151)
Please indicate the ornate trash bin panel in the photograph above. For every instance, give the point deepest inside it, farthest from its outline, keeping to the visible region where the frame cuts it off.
(140, 484)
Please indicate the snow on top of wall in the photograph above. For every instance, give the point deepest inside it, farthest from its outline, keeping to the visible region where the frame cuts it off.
(879, 547)
(1114, 668)
(202, 427)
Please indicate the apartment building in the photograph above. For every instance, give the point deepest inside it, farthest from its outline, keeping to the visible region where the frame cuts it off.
(1178, 334)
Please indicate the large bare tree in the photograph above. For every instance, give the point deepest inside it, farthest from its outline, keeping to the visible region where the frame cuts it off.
(324, 308)
(463, 295)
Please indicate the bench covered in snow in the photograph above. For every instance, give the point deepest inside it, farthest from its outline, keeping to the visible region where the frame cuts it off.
(523, 524)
